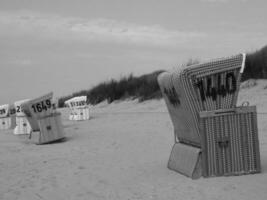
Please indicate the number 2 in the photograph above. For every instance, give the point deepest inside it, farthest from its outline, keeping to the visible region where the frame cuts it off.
(18, 109)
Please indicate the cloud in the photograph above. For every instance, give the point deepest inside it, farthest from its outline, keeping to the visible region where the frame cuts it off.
(88, 30)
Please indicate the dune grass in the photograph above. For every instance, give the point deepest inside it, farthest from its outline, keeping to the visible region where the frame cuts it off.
(146, 87)
(256, 65)
(142, 88)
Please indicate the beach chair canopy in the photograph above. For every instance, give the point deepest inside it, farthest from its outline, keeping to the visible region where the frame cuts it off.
(76, 101)
(12, 110)
(4, 110)
(39, 107)
(22, 123)
(7, 119)
(19, 110)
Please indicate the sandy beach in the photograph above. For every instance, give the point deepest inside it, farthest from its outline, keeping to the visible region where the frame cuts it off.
(121, 153)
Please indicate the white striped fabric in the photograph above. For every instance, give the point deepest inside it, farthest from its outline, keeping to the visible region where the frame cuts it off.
(82, 113)
(22, 126)
(79, 110)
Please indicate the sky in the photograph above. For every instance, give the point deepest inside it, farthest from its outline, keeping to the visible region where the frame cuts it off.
(68, 45)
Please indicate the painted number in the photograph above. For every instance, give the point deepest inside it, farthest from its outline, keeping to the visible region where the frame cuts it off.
(77, 103)
(18, 109)
(42, 106)
(206, 90)
(2, 111)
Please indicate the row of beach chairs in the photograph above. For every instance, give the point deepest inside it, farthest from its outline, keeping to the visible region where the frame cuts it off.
(39, 119)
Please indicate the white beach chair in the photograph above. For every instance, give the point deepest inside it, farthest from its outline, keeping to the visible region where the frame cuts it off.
(46, 122)
(7, 117)
(79, 110)
(22, 124)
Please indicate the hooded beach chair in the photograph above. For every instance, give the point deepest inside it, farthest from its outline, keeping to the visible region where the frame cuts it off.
(79, 110)
(44, 119)
(22, 124)
(7, 117)
(188, 92)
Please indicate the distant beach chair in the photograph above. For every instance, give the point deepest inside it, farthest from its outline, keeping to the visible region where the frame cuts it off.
(211, 86)
(44, 119)
(7, 117)
(22, 124)
(79, 110)
(12, 115)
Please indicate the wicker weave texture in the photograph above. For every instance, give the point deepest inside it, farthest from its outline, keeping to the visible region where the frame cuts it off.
(230, 142)
(181, 118)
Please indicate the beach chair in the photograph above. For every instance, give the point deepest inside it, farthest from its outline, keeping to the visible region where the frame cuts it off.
(22, 124)
(7, 117)
(12, 115)
(188, 91)
(79, 110)
(44, 119)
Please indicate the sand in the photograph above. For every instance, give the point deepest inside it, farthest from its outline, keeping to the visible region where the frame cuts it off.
(121, 153)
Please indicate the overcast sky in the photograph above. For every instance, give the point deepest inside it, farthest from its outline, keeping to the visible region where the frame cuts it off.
(68, 45)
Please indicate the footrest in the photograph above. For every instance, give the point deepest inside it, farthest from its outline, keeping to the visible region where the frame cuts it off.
(186, 160)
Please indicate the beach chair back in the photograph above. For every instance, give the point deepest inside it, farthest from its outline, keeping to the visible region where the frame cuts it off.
(18, 104)
(206, 86)
(79, 108)
(39, 107)
(4, 110)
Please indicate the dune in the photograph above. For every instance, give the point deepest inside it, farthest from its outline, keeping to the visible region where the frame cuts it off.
(121, 153)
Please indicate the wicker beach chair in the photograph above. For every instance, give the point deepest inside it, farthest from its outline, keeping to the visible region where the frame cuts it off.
(79, 110)
(201, 87)
(23, 126)
(187, 92)
(7, 117)
(45, 121)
